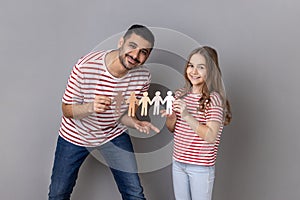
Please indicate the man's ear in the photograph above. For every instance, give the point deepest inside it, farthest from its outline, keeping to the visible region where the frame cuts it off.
(121, 42)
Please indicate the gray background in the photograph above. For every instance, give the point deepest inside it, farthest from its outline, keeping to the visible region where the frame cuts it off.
(258, 44)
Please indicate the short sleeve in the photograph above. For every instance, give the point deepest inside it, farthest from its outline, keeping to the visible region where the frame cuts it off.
(215, 111)
(73, 93)
(146, 86)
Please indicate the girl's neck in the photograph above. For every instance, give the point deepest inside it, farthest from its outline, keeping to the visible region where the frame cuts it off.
(196, 90)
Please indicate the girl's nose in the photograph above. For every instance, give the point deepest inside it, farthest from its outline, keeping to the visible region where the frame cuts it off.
(195, 70)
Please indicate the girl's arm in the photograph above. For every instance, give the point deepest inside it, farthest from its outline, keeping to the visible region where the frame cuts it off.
(208, 132)
(170, 121)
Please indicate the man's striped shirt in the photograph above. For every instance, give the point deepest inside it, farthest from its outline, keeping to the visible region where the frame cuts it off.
(88, 78)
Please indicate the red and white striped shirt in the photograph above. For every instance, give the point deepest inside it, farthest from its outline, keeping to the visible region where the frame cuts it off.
(90, 77)
(188, 146)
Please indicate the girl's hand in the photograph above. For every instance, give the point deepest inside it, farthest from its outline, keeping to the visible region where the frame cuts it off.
(180, 107)
(170, 121)
(165, 114)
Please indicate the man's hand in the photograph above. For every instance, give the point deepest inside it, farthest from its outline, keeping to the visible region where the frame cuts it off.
(145, 127)
(79, 111)
(142, 126)
(101, 103)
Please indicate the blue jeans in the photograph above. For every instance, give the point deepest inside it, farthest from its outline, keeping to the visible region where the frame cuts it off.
(118, 153)
(192, 182)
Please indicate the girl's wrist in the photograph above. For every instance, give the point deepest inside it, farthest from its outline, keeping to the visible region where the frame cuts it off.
(184, 114)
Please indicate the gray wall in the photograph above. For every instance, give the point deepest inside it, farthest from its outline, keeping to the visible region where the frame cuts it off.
(258, 43)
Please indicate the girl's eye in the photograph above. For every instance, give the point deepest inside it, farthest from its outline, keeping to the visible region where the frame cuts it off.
(201, 67)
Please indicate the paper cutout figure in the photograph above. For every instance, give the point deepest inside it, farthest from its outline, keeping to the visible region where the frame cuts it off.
(132, 101)
(119, 99)
(157, 100)
(144, 101)
(169, 99)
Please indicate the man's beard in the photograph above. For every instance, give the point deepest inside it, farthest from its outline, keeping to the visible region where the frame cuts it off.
(123, 62)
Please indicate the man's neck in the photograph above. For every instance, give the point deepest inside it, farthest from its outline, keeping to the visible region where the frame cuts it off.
(113, 64)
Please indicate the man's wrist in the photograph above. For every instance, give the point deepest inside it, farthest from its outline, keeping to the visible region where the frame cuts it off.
(90, 107)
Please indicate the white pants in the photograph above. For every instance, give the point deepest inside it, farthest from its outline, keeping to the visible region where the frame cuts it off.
(192, 182)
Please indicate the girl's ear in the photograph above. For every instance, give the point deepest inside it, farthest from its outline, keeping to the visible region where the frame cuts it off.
(121, 42)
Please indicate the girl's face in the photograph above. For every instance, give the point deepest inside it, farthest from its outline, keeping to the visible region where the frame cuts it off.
(197, 70)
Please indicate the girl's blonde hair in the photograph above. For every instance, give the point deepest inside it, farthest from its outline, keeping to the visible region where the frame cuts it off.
(213, 82)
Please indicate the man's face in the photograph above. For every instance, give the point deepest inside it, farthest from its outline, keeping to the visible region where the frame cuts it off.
(134, 51)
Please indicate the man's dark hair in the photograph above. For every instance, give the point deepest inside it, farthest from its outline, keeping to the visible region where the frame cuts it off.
(142, 31)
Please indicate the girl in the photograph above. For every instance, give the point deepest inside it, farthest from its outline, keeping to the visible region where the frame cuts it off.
(200, 111)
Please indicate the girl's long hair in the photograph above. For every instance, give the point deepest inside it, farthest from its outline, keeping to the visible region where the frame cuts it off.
(213, 82)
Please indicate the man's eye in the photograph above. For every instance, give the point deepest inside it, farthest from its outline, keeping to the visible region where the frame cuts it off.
(144, 52)
(132, 46)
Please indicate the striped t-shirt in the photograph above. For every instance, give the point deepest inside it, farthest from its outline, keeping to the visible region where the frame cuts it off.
(88, 78)
(188, 146)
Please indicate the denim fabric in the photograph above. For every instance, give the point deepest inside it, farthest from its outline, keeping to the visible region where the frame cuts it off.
(118, 153)
(192, 182)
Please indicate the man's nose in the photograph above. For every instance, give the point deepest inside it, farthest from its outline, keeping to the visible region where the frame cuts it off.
(135, 53)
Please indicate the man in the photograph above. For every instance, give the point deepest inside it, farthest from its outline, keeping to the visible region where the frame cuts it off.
(90, 119)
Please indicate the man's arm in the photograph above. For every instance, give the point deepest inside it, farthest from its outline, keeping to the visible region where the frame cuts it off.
(79, 111)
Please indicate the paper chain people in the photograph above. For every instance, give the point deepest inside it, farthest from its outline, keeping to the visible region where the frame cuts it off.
(119, 99)
(157, 100)
(132, 101)
(144, 101)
